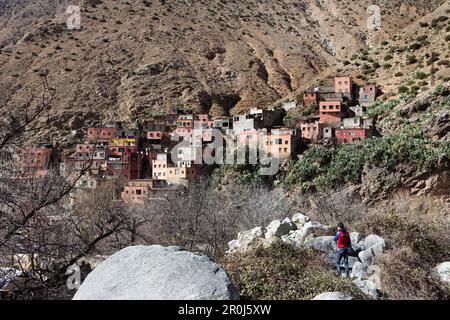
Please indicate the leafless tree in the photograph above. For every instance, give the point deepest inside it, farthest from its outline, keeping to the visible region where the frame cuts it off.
(205, 217)
(43, 230)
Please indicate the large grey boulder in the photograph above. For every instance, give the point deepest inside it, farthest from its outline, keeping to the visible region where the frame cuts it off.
(323, 244)
(157, 273)
(368, 256)
(359, 270)
(333, 296)
(443, 271)
(357, 240)
(374, 240)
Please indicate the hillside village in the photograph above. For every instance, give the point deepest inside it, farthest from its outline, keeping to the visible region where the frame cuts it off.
(142, 156)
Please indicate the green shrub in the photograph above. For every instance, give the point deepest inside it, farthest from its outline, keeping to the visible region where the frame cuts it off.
(388, 57)
(398, 74)
(403, 89)
(411, 59)
(324, 167)
(415, 46)
(420, 75)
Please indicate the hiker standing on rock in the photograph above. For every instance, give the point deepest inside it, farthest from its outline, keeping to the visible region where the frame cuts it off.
(343, 245)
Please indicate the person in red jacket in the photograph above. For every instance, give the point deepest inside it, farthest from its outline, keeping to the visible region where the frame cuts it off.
(342, 238)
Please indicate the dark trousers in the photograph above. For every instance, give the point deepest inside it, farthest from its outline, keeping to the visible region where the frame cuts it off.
(342, 253)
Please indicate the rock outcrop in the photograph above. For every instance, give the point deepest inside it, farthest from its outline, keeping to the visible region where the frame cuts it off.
(303, 233)
(157, 273)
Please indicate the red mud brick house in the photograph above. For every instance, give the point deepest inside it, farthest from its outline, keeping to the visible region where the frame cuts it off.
(352, 135)
(367, 95)
(130, 143)
(137, 191)
(205, 121)
(184, 127)
(181, 173)
(311, 131)
(310, 97)
(101, 134)
(158, 139)
(124, 161)
(343, 86)
(159, 166)
(331, 112)
(38, 160)
(89, 155)
(281, 142)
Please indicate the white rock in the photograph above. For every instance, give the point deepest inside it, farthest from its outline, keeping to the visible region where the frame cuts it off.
(158, 273)
(300, 219)
(333, 296)
(368, 287)
(233, 246)
(250, 238)
(357, 240)
(294, 238)
(372, 240)
(323, 244)
(443, 271)
(359, 270)
(368, 256)
(279, 228)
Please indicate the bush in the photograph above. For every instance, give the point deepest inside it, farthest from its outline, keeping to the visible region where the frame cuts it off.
(420, 75)
(399, 74)
(403, 89)
(415, 46)
(324, 167)
(411, 59)
(404, 276)
(388, 57)
(440, 90)
(282, 272)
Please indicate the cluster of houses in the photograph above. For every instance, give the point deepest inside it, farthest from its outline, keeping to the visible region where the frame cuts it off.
(341, 112)
(143, 156)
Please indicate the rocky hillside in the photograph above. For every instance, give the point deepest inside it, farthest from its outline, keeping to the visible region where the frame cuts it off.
(410, 62)
(136, 58)
(295, 259)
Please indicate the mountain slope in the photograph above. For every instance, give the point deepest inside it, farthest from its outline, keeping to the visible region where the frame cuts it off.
(132, 59)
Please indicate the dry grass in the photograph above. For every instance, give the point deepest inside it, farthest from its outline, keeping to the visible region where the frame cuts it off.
(406, 276)
(284, 273)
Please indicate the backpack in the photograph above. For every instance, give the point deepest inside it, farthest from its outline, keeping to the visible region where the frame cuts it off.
(343, 239)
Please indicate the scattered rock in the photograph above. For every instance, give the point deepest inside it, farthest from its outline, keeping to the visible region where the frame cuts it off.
(368, 256)
(368, 287)
(294, 238)
(357, 240)
(300, 219)
(279, 228)
(246, 239)
(372, 240)
(324, 244)
(333, 296)
(159, 273)
(443, 270)
(359, 270)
